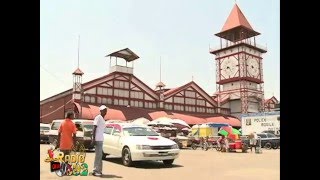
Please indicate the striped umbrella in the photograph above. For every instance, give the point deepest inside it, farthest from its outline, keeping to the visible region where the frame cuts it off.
(229, 132)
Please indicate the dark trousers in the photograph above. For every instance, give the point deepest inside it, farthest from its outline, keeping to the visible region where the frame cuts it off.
(255, 147)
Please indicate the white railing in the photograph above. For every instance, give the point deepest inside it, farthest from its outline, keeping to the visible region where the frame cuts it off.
(229, 44)
(123, 69)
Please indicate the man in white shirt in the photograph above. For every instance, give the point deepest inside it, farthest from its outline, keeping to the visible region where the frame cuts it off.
(253, 138)
(97, 139)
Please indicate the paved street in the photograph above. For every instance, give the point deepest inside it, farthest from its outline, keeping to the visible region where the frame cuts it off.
(192, 164)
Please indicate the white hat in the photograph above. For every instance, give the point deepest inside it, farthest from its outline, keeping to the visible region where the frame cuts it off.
(102, 107)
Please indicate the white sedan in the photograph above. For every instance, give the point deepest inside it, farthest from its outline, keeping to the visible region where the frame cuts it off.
(138, 143)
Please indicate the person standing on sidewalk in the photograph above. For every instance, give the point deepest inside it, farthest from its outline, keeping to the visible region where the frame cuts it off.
(253, 137)
(97, 139)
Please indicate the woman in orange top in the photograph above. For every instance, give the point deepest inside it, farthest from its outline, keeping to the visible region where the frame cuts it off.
(67, 134)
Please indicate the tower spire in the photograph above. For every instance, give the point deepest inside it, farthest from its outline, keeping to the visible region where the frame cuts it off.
(160, 68)
(78, 71)
(78, 49)
(160, 84)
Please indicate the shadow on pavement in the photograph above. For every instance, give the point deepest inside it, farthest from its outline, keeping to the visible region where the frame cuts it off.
(106, 176)
(110, 176)
(144, 164)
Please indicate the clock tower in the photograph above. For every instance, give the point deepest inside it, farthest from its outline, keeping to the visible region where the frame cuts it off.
(239, 72)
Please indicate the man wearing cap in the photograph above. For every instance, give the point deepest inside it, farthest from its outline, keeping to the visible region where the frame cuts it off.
(97, 139)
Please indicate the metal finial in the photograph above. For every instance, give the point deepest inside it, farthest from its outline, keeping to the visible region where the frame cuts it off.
(78, 49)
(160, 68)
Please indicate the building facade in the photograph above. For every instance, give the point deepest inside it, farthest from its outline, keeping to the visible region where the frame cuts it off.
(128, 98)
(239, 79)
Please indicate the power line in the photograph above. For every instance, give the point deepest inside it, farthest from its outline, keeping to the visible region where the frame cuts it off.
(57, 78)
(55, 109)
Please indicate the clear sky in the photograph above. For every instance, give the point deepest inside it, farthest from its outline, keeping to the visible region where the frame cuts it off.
(178, 31)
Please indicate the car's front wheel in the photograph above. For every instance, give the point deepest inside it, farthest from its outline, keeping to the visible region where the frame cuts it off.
(126, 157)
(275, 145)
(168, 162)
(268, 145)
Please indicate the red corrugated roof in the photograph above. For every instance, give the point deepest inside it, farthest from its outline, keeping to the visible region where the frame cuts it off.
(236, 19)
(130, 113)
(190, 119)
(157, 114)
(114, 112)
(173, 91)
(170, 91)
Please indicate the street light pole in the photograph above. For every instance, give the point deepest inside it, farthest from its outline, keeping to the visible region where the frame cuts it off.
(40, 114)
(80, 109)
(81, 100)
(81, 103)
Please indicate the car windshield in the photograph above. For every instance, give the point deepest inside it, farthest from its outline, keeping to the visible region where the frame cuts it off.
(262, 135)
(271, 135)
(88, 127)
(43, 128)
(139, 131)
(55, 125)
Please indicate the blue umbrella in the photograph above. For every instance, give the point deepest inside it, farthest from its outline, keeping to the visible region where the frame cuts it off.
(218, 125)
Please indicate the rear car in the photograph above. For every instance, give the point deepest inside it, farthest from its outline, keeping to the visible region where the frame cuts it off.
(44, 133)
(269, 140)
(172, 134)
(276, 133)
(182, 141)
(83, 135)
(84, 132)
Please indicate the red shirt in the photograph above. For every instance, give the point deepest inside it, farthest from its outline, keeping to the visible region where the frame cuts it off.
(67, 129)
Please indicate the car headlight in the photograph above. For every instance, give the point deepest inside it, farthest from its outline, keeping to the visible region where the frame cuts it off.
(144, 147)
(175, 146)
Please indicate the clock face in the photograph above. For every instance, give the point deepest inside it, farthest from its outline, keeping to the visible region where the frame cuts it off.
(253, 67)
(229, 67)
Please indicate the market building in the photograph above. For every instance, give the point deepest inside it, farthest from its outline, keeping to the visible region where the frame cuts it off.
(239, 86)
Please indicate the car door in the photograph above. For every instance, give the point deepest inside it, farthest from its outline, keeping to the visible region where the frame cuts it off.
(53, 133)
(263, 139)
(273, 139)
(107, 140)
(115, 141)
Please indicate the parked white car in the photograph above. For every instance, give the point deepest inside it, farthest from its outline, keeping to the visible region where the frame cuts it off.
(134, 142)
(84, 131)
(44, 133)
